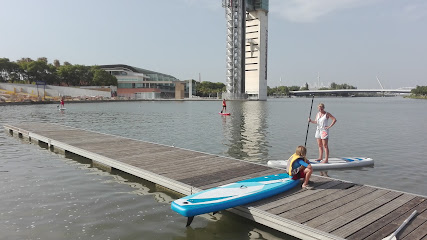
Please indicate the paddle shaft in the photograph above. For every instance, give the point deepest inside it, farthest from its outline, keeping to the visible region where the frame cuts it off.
(308, 125)
(392, 236)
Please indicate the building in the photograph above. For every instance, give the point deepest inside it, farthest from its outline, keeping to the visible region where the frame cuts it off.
(247, 41)
(138, 83)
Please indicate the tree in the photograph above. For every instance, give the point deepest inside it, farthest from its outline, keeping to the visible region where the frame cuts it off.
(9, 71)
(419, 90)
(56, 63)
(103, 78)
(42, 59)
(206, 89)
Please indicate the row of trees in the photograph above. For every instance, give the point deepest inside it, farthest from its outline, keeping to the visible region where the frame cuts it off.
(282, 90)
(208, 89)
(335, 86)
(29, 71)
(419, 91)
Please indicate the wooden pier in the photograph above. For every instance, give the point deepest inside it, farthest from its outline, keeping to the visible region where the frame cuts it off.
(335, 209)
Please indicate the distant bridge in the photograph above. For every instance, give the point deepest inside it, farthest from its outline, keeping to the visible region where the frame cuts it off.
(310, 92)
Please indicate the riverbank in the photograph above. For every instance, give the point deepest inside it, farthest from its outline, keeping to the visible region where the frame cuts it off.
(416, 97)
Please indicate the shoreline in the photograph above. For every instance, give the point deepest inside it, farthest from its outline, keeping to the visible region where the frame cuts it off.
(98, 101)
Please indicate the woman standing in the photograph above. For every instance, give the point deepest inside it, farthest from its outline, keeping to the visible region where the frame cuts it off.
(322, 131)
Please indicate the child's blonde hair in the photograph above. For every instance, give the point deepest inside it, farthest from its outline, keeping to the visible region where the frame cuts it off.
(301, 151)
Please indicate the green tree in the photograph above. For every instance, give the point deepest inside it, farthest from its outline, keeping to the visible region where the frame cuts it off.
(56, 63)
(103, 78)
(419, 91)
(207, 89)
(9, 71)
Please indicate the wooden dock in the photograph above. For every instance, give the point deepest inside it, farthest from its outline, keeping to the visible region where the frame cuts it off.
(336, 209)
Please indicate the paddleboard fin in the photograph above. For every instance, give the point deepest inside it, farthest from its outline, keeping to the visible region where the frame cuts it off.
(189, 221)
(214, 212)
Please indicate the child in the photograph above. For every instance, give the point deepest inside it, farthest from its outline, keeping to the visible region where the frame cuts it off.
(299, 167)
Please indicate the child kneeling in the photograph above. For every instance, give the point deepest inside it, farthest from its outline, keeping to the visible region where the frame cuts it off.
(299, 167)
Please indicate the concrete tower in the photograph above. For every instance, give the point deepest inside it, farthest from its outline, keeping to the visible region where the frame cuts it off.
(247, 37)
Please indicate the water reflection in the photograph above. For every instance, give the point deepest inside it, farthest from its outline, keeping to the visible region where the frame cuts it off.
(246, 130)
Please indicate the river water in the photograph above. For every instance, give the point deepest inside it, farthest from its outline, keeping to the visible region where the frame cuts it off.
(51, 196)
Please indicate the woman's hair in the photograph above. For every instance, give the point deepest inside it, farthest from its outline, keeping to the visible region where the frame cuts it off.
(321, 105)
(301, 151)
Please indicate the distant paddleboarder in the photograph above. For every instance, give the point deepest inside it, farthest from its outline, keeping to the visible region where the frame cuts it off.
(62, 103)
(224, 106)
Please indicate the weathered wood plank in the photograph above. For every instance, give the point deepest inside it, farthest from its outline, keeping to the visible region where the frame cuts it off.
(415, 223)
(311, 195)
(287, 201)
(381, 223)
(328, 195)
(372, 216)
(345, 208)
(280, 199)
(349, 196)
(348, 217)
(419, 233)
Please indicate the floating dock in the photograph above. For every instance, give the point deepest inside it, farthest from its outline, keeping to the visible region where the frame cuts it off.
(336, 209)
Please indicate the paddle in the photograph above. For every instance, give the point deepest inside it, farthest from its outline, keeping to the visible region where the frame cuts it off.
(308, 125)
(393, 235)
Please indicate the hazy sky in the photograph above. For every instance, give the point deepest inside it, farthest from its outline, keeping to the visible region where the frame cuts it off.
(346, 41)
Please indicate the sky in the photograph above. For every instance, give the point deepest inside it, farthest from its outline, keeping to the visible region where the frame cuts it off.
(341, 41)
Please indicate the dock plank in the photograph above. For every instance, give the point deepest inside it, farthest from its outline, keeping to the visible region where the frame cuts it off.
(330, 206)
(309, 196)
(341, 210)
(340, 221)
(418, 221)
(372, 216)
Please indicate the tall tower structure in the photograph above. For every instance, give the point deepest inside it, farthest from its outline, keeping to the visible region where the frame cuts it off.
(247, 38)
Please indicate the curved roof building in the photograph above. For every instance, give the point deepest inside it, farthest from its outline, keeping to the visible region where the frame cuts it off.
(139, 83)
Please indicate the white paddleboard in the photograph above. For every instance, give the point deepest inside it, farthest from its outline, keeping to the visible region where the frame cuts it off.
(333, 163)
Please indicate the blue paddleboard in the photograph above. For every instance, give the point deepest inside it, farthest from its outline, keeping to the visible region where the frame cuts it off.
(232, 195)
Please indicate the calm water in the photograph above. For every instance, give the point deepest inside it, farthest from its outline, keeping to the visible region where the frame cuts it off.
(50, 196)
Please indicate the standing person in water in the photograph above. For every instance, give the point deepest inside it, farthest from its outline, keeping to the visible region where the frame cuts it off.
(62, 102)
(224, 106)
(322, 131)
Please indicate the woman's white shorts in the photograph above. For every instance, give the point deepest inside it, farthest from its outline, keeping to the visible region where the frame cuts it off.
(322, 133)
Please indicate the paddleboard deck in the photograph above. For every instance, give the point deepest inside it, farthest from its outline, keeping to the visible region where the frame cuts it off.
(232, 195)
(333, 163)
(225, 114)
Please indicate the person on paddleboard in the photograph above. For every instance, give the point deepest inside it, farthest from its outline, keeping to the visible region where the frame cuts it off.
(224, 106)
(62, 103)
(299, 167)
(322, 131)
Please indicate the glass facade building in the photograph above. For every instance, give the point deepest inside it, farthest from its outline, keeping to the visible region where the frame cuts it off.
(133, 81)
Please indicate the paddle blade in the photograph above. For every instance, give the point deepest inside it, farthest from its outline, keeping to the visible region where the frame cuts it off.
(388, 238)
